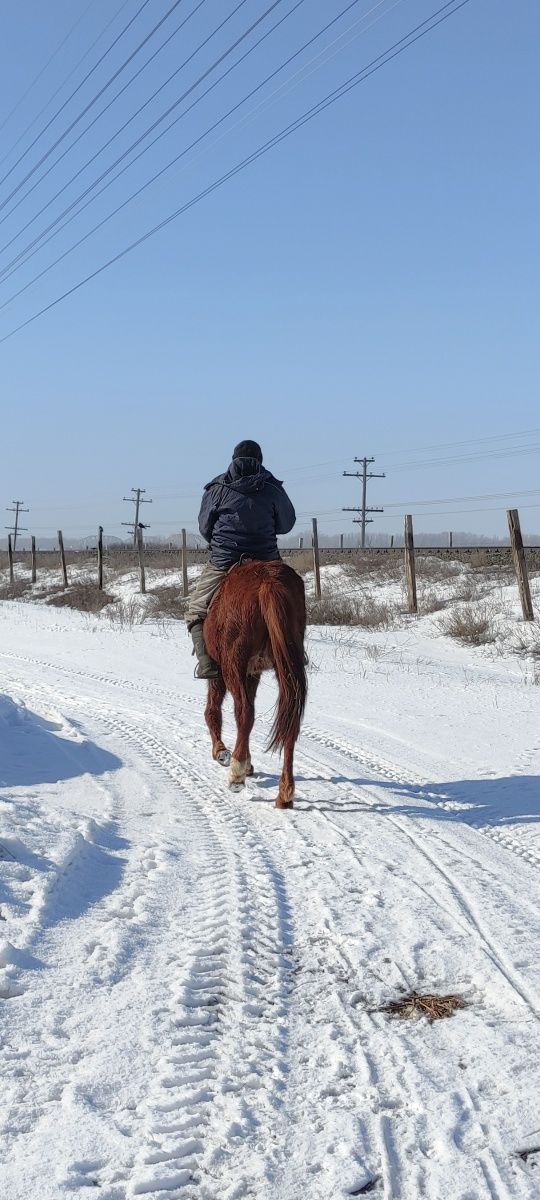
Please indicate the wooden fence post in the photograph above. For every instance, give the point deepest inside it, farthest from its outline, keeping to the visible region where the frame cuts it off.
(185, 583)
(100, 558)
(316, 562)
(341, 541)
(10, 559)
(520, 564)
(450, 539)
(391, 541)
(62, 558)
(34, 560)
(300, 543)
(410, 569)
(141, 560)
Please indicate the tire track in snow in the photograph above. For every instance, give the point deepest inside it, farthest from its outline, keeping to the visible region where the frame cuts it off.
(464, 812)
(242, 939)
(473, 923)
(399, 1166)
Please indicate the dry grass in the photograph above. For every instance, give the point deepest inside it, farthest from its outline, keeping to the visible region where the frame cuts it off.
(472, 625)
(126, 614)
(430, 602)
(383, 566)
(526, 640)
(364, 612)
(300, 561)
(14, 591)
(85, 597)
(435, 1008)
(436, 568)
(168, 603)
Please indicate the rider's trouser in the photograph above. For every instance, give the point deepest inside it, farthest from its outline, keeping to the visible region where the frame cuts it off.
(206, 587)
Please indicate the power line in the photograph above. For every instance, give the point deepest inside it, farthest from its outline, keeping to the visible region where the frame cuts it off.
(64, 82)
(497, 454)
(15, 264)
(82, 134)
(382, 60)
(461, 499)
(133, 115)
(6, 270)
(47, 64)
(89, 105)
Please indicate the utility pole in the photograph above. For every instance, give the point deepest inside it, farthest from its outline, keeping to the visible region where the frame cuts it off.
(137, 500)
(16, 528)
(364, 475)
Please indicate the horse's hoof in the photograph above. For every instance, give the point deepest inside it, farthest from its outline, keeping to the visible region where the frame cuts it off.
(224, 758)
(236, 787)
(284, 803)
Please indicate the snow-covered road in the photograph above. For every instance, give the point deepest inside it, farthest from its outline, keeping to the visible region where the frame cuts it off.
(191, 981)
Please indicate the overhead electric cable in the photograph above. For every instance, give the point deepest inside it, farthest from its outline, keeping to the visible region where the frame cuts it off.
(498, 453)
(151, 128)
(65, 81)
(46, 65)
(91, 102)
(419, 31)
(43, 240)
(67, 150)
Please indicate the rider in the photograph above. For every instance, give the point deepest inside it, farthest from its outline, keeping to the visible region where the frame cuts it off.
(242, 511)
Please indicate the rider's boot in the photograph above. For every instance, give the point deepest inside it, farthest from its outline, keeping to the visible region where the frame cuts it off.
(206, 667)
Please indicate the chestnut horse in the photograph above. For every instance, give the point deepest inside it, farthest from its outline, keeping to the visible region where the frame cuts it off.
(257, 621)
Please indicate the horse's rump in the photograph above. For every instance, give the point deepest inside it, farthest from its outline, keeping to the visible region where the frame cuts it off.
(258, 621)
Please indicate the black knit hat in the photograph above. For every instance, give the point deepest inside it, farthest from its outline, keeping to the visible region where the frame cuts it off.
(248, 449)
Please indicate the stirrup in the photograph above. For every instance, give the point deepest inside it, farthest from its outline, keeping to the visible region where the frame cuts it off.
(214, 675)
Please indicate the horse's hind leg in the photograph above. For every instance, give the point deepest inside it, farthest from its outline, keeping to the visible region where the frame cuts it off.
(286, 783)
(244, 711)
(213, 716)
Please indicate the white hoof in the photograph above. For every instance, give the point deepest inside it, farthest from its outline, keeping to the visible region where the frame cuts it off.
(237, 773)
(224, 758)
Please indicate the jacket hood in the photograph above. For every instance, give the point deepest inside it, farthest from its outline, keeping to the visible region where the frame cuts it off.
(244, 483)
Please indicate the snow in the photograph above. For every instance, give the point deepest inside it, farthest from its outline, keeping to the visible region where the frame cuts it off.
(191, 982)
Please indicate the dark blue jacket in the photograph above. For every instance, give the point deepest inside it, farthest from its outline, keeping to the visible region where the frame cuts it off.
(241, 513)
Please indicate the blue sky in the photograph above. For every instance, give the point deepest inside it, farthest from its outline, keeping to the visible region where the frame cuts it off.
(369, 286)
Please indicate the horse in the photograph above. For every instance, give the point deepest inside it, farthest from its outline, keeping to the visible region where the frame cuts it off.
(257, 622)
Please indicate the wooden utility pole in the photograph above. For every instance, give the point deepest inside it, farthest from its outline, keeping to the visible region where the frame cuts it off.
(185, 583)
(62, 558)
(10, 559)
(520, 564)
(137, 500)
(364, 475)
(316, 562)
(100, 558)
(141, 559)
(410, 569)
(34, 560)
(16, 528)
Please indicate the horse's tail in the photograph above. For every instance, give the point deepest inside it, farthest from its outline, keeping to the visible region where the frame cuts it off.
(284, 616)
